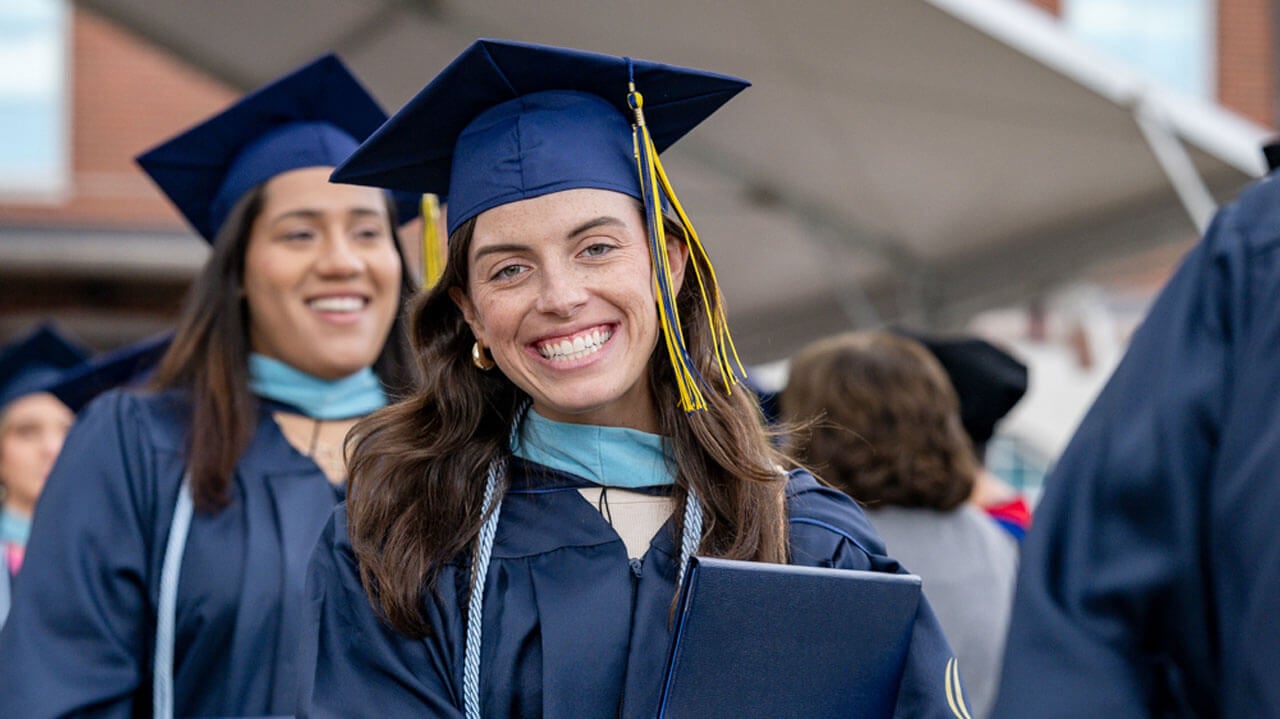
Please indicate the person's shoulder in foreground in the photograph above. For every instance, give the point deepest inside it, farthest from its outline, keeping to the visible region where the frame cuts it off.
(1144, 579)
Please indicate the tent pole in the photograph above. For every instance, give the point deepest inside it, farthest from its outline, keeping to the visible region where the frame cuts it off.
(1177, 165)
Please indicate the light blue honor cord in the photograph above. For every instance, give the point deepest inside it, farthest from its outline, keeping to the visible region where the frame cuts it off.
(352, 396)
(4, 592)
(167, 610)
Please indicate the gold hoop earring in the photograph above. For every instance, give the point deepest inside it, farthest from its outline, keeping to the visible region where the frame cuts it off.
(480, 358)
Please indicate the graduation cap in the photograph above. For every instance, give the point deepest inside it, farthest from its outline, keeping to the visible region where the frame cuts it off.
(1271, 153)
(988, 381)
(36, 361)
(125, 366)
(508, 121)
(313, 117)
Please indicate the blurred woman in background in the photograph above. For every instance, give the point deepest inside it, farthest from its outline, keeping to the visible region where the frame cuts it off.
(169, 582)
(884, 427)
(33, 424)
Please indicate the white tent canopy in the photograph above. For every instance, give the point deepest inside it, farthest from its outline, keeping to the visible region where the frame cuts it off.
(913, 159)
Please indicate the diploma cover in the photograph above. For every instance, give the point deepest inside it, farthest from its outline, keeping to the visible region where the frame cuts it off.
(775, 640)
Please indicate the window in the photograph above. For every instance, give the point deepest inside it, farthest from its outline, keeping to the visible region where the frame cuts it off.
(33, 98)
(1170, 40)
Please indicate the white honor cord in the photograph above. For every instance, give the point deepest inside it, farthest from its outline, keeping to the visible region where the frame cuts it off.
(692, 535)
(5, 601)
(475, 604)
(167, 611)
(690, 539)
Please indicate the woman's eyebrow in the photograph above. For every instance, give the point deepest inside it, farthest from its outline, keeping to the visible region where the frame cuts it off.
(603, 220)
(310, 214)
(493, 249)
(302, 214)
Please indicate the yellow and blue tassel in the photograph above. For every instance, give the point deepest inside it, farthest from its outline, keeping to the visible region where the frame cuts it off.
(654, 188)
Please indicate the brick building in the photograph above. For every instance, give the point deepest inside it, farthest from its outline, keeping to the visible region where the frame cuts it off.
(62, 251)
(1245, 54)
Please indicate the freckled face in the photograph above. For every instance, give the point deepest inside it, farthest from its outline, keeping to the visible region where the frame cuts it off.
(560, 290)
(321, 277)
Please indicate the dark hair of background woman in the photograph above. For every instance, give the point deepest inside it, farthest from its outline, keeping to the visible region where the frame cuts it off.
(209, 356)
(418, 467)
(883, 421)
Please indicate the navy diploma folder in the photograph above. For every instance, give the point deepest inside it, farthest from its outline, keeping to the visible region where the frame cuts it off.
(774, 640)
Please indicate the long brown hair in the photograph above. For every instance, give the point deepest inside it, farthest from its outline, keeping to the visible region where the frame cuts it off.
(209, 356)
(418, 467)
(884, 422)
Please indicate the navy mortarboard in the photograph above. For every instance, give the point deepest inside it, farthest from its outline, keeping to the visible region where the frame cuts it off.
(508, 121)
(313, 117)
(988, 381)
(37, 361)
(1271, 153)
(124, 366)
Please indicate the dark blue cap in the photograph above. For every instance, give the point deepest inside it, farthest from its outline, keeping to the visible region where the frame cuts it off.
(987, 380)
(313, 117)
(36, 362)
(128, 365)
(528, 120)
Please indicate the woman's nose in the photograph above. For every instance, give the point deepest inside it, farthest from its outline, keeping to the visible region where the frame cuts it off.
(561, 292)
(339, 258)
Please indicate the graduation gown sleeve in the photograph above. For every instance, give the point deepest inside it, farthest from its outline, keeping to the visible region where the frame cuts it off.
(829, 529)
(81, 606)
(363, 668)
(1136, 587)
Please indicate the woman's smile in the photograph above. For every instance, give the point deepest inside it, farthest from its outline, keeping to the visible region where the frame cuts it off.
(569, 349)
(339, 309)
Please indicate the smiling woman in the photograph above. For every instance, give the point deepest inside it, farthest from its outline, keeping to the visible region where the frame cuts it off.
(183, 515)
(322, 275)
(566, 305)
(517, 527)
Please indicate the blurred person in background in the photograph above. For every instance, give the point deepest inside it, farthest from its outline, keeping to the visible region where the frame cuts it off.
(167, 577)
(33, 424)
(879, 420)
(1150, 581)
(988, 382)
(37, 407)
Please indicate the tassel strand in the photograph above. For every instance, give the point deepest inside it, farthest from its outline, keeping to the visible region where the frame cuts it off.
(655, 187)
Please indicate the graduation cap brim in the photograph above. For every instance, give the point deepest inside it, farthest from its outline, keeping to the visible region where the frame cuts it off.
(35, 361)
(195, 168)
(413, 151)
(126, 366)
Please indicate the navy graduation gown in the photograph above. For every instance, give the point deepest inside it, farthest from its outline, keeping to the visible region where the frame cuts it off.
(570, 629)
(1150, 581)
(81, 633)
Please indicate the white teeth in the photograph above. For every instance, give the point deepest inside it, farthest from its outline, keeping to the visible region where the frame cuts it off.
(577, 348)
(337, 304)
